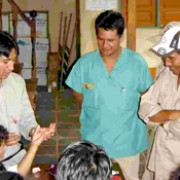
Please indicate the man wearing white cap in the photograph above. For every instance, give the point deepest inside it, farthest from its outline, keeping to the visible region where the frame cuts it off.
(161, 104)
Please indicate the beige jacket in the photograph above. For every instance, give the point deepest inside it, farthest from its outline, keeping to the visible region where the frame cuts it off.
(164, 94)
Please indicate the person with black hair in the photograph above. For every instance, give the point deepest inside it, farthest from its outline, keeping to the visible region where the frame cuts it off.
(3, 139)
(107, 84)
(16, 113)
(83, 160)
(24, 165)
(5, 175)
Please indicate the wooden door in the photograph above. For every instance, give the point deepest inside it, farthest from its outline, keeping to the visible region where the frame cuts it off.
(169, 11)
(145, 12)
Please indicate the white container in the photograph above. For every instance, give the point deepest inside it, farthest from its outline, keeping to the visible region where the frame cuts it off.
(5, 22)
(25, 48)
(26, 73)
(41, 48)
(23, 30)
(42, 77)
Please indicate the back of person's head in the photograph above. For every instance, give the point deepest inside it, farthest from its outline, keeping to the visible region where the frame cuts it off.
(175, 175)
(3, 134)
(5, 175)
(170, 40)
(7, 43)
(110, 20)
(83, 160)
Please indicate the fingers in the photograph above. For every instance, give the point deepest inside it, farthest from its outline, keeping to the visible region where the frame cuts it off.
(38, 137)
(47, 132)
(13, 139)
(52, 127)
(37, 133)
(50, 131)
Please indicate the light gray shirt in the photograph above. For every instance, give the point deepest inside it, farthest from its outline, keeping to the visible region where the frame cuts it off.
(16, 113)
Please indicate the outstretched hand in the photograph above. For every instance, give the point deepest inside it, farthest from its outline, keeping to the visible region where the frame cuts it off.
(48, 132)
(37, 137)
(45, 132)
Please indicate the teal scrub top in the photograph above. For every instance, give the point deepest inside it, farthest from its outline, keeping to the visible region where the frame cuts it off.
(109, 114)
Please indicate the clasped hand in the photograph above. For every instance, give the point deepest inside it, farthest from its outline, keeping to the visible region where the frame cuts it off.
(38, 134)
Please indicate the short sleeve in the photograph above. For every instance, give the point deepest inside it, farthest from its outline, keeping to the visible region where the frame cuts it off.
(145, 77)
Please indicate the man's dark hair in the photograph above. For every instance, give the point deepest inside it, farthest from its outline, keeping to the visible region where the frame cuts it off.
(110, 20)
(7, 43)
(3, 134)
(83, 160)
(5, 175)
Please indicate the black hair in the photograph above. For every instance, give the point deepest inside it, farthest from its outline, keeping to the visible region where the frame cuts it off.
(110, 20)
(7, 43)
(83, 160)
(5, 175)
(3, 134)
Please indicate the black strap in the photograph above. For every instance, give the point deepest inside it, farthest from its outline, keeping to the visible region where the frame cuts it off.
(2, 168)
(175, 42)
(9, 157)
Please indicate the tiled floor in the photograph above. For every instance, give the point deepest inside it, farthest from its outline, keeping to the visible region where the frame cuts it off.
(64, 113)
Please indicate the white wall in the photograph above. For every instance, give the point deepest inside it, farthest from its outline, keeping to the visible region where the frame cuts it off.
(146, 37)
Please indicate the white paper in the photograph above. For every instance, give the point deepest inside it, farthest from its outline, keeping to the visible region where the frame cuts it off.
(101, 4)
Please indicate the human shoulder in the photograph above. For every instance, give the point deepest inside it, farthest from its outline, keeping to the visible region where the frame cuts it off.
(163, 73)
(15, 78)
(88, 57)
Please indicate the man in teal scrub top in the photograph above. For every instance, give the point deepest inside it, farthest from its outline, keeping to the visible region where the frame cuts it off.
(107, 84)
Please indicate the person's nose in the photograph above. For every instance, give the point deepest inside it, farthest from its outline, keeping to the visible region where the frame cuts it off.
(11, 65)
(105, 44)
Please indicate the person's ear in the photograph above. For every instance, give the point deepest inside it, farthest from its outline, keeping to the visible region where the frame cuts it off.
(122, 38)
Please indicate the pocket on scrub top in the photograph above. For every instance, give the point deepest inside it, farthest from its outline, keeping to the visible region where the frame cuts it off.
(128, 98)
(90, 98)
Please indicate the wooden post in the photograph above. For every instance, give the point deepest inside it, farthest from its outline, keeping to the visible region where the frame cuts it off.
(124, 10)
(78, 37)
(131, 24)
(14, 21)
(0, 15)
(33, 15)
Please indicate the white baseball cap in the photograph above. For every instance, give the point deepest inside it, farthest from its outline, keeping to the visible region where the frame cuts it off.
(170, 40)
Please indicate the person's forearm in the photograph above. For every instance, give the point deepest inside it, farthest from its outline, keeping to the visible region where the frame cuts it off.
(79, 103)
(25, 164)
(165, 115)
(78, 98)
